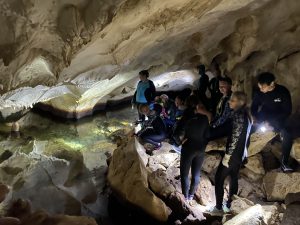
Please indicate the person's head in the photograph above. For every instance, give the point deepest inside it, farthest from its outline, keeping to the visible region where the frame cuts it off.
(238, 100)
(179, 101)
(201, 69)
(192, 101)
(144, 109)
(266, 82)
(225, 84)
(144, 74)
(199, 108)
(164, 98)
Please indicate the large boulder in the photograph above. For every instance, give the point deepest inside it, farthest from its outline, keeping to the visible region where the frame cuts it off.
(292, 213)
(295, 153)
(128, 178)
(250, 216)
(277, 185)
(240, 204)
(254, 168)
(205, 193)
(211, 162)
(258, 141)
(159, 183)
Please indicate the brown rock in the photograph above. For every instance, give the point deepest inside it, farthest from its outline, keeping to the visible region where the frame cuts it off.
(165, 160)
(216, 145)
(159, 184)
(205, 193)
(258, 141)
(9, 221)
(277, 185)
(240, 204)
(128, 177)
(211, 162)
(295, 153)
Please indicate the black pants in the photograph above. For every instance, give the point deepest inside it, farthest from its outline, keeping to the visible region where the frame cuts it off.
(190, 158)
(287, 143)
(221, 131)
(222, 173)
(153, 138)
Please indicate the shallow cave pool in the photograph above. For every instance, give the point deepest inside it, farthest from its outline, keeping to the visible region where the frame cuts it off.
(60, 165)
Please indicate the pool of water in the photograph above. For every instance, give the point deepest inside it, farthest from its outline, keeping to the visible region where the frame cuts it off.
(91, 139)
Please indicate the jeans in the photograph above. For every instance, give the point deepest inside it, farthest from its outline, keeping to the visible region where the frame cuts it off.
(153, 138)
(232, 171)
(190, 158)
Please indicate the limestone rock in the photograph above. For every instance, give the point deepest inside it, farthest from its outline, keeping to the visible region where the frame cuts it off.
(211, 162)
(295, 153)
(128, 177)
(277, 185)
(258, 141)
(271, 214)
(254, 167)
(159, 184)
(216, 145)
(291, 215)
(165, 160)
(250, 216)
(240, 204)
(205, 193)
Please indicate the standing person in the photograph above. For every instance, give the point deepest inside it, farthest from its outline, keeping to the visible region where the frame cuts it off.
(236, 151)
(145, 92)
(272, 106)
(192, 153)
(203, 85)
(221, 123)
(214, 90)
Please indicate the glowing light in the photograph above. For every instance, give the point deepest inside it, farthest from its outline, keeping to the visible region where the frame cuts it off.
(263, 129)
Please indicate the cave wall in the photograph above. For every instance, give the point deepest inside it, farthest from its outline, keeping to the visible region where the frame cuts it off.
(86, 41)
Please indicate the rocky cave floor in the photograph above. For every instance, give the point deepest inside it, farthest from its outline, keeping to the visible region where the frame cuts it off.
(265, 196)
(66, 162)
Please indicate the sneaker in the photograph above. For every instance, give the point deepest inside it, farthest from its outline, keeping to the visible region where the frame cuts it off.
(226, 210)
(286, 169)
(214, 211)
(177, 149)
(158, 146)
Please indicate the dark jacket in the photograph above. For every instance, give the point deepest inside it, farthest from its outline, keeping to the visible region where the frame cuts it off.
(203, 84)
(223, 112)
(149, 93)
(274, 107)
(238, 137)
(196, 132)
(154, 125)
(179, 127)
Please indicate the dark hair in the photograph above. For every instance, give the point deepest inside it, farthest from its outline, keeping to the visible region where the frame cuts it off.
(226, 79)
(144, 73)
(181, 97)
(265, 78)
(201, 68)
(192, 101)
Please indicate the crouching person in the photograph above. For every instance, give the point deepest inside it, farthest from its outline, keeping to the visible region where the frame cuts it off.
(153, 130)
(235, 153)
(192, 153)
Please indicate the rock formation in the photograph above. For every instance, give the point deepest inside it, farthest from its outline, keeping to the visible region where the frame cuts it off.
(96, 48)
(132, 173)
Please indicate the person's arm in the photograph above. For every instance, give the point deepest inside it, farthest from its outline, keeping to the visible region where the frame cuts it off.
(152, 90)
(256, 103)
(227, 114)
(237, 129)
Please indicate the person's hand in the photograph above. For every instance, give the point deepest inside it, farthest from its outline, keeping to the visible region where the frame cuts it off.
(225, 160)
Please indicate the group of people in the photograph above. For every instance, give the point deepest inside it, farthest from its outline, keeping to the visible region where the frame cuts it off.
(192, 120)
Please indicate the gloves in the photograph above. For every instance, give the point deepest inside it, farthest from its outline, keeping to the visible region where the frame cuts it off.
(225, 160)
